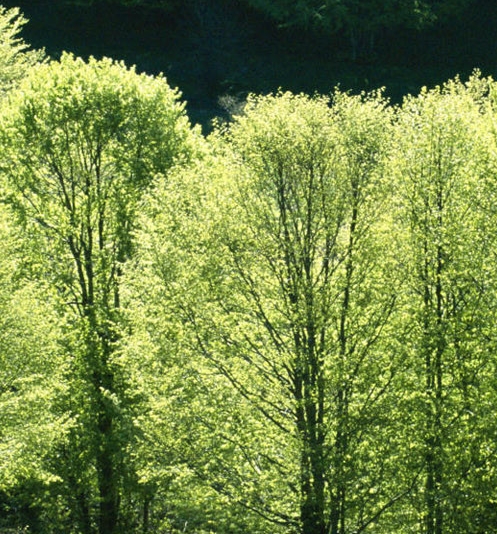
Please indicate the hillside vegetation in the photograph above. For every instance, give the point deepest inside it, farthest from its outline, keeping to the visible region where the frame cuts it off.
(218, 51)
(286, 326)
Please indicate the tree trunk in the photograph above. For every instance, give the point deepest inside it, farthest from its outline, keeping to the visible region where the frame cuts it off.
(99, 351)
(83, 513)
(107, 486)
(147, 500)
(310, 427)
(312, 509)
(435, 346)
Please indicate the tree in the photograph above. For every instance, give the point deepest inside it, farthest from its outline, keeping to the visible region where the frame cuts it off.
(184, 454)
(81, 143)
(283, 294)
(442, 167)
(31, 379)
(15, 56)
(359, 20)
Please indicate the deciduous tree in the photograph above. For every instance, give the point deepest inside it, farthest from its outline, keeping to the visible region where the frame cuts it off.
(270, 259)
(16, 57)
(442, 163)
(31, 380)
(360, 20)
(81, 143)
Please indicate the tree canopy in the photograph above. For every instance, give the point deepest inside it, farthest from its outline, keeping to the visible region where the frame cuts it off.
(359, 20)
(81, 143)
(286, 326)
(16, 58)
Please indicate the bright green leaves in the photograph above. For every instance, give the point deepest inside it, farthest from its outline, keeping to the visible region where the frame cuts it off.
(322, 281)
(266, 255)
(82, 141)
(287, 327)
(442, 159)
(31, 369)
(16, 59)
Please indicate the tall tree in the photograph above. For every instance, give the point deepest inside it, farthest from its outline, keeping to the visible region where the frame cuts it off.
(81, 143)
(16, 57)
(283, 293)
(31, 380)
(360, 20)
(442, 164)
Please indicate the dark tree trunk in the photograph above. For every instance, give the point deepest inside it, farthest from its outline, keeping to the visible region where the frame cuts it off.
(147, 500)
(435, 347)
(107, 487)
(83, 513)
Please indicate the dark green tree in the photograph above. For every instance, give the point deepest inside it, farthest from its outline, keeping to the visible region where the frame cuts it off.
(360, 21)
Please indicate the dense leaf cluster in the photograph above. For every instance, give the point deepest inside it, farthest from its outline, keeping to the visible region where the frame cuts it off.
(287, 326)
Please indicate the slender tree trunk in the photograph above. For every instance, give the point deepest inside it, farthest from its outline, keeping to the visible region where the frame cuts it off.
(147, 500)
(99, 350)
(308, 378)
(83, 512)
(338, 501)
(107, 486)
(107, 470)
(312, 463)
(312, 510)
(438, 371)
(338, 505)
(434, 446)
(435, 347)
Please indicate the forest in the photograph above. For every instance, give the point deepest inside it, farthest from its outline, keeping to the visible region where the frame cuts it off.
(219, 51)
(283, 326)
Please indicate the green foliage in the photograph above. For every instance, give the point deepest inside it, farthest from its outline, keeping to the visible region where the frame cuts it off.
(359, 20)
(264, 261)
(358, 14)
(285, 328)
(317, 323)
(313, 189)
(442, 164)
(15, 56)
(31, 380)
(81, 143)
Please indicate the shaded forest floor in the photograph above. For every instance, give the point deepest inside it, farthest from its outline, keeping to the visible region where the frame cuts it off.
(217, 56)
